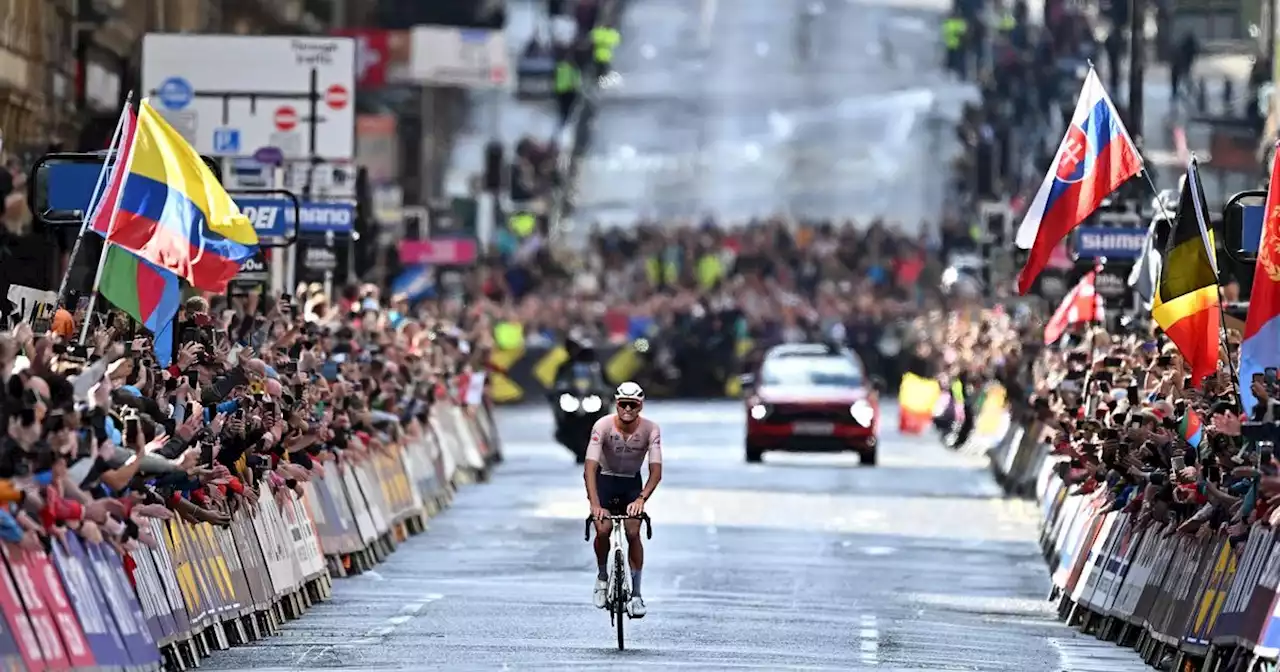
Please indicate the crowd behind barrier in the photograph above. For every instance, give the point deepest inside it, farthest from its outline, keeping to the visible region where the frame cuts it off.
(1158, 501)
(684, 307)
(308, 442)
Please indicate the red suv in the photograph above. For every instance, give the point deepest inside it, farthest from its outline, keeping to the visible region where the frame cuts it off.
(812, 398)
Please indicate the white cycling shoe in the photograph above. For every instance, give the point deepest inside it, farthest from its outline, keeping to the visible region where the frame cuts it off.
(600, 595)
(635, 608)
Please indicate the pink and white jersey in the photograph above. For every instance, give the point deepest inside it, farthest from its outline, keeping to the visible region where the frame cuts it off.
(623, 455)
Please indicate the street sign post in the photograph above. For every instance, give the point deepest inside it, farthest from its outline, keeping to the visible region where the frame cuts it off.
(231, 95)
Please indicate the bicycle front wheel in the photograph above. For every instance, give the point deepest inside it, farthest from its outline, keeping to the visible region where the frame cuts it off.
(619, 602)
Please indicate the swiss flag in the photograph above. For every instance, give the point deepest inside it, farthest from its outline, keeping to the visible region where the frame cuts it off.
(1081, 305)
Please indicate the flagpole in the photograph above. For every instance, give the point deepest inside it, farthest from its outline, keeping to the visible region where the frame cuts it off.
(94, 200)
(106, 247)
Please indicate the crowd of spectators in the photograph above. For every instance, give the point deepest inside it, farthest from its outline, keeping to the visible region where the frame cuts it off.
(1028, 85)
(263, 392)
(696, 289)
(1163, 449)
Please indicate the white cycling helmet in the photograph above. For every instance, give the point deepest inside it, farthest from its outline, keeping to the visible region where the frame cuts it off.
(629, 390)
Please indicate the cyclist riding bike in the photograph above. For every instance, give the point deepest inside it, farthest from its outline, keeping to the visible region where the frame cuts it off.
(615, 453)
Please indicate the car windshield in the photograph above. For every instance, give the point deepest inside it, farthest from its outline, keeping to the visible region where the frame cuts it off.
(823, 371)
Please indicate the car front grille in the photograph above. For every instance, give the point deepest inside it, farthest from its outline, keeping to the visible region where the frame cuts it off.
(785, 414)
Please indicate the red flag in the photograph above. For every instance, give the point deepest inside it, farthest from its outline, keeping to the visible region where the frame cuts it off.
(1082, 304)
(1258, 351)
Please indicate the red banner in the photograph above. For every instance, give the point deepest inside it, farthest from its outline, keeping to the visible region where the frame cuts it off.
(439, 251)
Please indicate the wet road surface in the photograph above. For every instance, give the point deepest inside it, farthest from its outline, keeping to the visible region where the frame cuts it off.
(803, 562)
(743, 108)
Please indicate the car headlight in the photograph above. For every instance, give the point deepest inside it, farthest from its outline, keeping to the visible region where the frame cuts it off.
(592, 404)
(862, 413)
(759, 411)
(568, 403)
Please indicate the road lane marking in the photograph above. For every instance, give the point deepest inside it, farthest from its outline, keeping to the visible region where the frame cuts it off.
(406, 614)
(869, 639)
(707, 22)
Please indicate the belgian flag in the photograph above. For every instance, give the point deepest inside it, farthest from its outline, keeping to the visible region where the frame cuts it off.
(1185, 304)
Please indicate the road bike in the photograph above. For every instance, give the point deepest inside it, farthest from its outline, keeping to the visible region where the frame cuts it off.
(619, 570)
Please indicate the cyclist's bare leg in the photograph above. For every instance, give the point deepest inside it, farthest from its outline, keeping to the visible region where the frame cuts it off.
(635, 551)
(601, 543)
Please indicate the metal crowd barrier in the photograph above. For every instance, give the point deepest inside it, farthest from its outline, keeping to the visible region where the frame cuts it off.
(1204, 602)
(87, 606)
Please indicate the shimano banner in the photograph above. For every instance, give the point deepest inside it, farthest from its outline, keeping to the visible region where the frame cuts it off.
(1113, 243)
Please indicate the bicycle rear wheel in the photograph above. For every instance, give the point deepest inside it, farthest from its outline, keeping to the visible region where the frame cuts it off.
(619, 602)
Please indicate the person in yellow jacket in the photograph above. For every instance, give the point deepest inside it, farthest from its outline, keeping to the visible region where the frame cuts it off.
(522, 223)
(568, 83)
(954, 31)
(604, 39)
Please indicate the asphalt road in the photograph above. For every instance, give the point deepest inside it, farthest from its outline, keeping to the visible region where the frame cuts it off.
(803, 562)
(742, 108)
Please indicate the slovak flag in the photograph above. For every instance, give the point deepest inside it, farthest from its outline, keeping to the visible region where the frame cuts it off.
(1082, 304)
(1094, 159)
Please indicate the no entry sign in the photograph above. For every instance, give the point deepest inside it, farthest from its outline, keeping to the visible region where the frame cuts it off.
(286, 118)
(336, 97)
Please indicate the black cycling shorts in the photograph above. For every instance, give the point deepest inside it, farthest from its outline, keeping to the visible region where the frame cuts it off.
(616, 492)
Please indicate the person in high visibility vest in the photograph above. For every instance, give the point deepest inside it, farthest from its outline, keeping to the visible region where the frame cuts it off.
(568, 84)
(604, 39)
(954, 30)
(522, 223)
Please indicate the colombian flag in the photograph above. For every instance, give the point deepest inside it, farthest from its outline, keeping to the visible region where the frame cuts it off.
(1185, 304)
(165, 205)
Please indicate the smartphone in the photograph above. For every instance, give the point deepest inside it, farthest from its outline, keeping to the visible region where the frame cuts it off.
(1257, 431)
(1164, 360)
(1179, 462)
(1133, 395)
(1103, 377)
(1074, 375)
(193, 379)
(171, 384)
(131, 428)
(1269, 374)
(1113, 362)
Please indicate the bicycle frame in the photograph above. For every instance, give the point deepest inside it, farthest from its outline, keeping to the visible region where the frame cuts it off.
(618, 567)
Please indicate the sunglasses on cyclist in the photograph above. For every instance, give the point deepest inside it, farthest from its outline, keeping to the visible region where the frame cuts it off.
(628, 405)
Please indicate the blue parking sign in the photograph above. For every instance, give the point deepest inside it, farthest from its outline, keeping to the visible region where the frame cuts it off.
(226, 141)
(175, 93)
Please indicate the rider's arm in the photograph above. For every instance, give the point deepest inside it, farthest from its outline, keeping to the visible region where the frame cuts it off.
(592, 466)
(655, 464)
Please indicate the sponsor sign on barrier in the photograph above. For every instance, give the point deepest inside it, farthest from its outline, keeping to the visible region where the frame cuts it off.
(1188, 593)
(84, 606)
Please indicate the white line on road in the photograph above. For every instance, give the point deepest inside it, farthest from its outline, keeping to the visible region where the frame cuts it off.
(707, 23)
(407, 612)
(869, 639)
